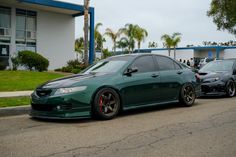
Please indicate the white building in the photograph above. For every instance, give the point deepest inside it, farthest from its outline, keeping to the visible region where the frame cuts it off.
(43, 26)
(199, 52)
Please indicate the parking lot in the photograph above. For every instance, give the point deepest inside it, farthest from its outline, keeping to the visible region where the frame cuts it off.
(206, 129)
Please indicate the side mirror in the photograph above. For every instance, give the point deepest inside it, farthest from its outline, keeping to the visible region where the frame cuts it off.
(129, 71)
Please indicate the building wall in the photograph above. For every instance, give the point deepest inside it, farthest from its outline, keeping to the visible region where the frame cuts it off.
(204, 53)
(55, 37)
(230, 53)
(180, 54)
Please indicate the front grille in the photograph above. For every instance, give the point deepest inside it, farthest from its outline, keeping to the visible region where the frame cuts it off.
(66, 106)
(43, 92)
(205, 88)
(41, 107)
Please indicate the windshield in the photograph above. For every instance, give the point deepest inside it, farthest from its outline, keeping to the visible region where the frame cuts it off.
(111, 66)
(218, 66)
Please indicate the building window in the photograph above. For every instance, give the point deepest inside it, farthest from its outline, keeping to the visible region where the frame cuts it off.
(25, 30)
(5, 30)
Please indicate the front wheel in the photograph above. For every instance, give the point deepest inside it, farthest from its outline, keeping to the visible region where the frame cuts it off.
(106, 104)
(187, 95)
(230, 88)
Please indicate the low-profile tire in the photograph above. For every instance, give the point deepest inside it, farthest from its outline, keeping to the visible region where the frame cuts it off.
(106, 104)
(187, 95)
(230, 88)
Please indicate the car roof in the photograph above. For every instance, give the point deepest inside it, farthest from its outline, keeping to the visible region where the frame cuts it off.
(134, 55)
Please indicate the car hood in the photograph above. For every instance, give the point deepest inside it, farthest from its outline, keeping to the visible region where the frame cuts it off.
(211, 74)
(70, 81)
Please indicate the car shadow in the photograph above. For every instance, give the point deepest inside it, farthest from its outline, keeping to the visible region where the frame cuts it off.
(65, 121)
(156, 108)
(213, 97)
(131, 112)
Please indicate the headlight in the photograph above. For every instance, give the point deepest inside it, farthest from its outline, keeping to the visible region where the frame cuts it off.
(70, 90)
(213, 79)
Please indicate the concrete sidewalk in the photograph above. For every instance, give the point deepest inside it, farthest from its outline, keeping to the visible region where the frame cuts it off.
(15, 94)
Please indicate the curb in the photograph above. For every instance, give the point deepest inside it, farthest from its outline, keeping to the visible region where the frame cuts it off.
(13, 111)
(15, 94)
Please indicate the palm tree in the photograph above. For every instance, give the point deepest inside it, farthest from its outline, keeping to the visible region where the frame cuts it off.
(176, 38)
(140, 34)
(114, 36)
(86, 27)
(123, 43)
(98, 37)
(129, 31)
(79, 46)
(171, 41)
(167, 42)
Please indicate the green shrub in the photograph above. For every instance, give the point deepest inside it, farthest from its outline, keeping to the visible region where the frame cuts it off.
(58, 69)
(73, 66)
(66, 69)
(15, 62)
(32, 60)
(76, 71)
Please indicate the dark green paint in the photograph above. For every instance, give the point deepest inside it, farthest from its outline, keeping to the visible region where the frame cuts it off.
(137, 90)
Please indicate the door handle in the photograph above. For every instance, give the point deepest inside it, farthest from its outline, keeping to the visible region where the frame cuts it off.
(154, 75)
(180, 72)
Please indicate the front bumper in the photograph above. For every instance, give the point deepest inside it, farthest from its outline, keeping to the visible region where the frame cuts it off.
(213, 88)
(71, 106)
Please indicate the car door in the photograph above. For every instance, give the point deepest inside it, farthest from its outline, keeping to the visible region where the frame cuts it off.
(171, 78)
(142, 87)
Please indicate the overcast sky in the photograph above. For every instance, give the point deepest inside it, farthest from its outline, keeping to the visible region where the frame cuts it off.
(158, 17)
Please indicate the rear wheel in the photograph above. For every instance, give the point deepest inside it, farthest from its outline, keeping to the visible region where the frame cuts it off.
(106, 104)
(230, 88)
(187, 95)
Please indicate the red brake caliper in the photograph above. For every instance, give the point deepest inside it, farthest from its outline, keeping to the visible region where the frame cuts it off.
(100, 104)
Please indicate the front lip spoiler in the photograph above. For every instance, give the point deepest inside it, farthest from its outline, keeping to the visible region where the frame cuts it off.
(57, 118)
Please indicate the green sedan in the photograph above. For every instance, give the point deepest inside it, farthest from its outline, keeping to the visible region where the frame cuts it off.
(115, 84)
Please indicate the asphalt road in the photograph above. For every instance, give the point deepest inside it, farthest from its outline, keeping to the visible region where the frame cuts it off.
(207, 129)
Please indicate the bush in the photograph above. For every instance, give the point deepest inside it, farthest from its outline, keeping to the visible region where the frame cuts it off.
(76, 71)
(15, 62)
(32, 60)
(73, 66)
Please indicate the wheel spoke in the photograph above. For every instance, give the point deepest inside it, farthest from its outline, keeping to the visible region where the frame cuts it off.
(112, 102)
(109, 96)
(110, 108)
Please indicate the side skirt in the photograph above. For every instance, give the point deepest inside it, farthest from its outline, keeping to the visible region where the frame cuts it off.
(149, 105)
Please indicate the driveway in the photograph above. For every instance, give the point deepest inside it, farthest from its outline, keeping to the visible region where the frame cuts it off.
(206, 129)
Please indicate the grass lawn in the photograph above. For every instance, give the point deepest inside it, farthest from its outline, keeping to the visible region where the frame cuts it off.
(16, 101)
(24, 80)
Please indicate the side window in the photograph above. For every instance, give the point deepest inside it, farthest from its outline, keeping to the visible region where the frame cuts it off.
(177, 66)
(165, 63)
(144, 64)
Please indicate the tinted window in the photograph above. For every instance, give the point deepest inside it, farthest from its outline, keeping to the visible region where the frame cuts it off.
(144, 64)
(165, 63)
(177, 66)
(106, 67)
(226, 65)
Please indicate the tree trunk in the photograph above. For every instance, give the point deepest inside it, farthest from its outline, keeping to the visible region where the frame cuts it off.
(86, 27)
(169, 52)
(114, 46)
(139, 45)
(174, 53)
